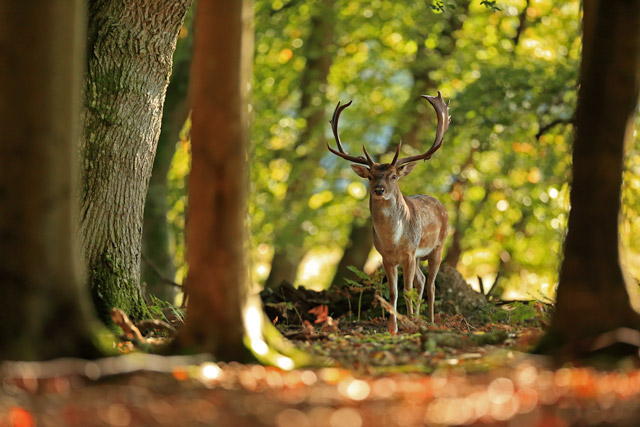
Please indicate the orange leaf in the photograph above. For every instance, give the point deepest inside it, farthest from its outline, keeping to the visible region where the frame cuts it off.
(20, 417)
(321, 312)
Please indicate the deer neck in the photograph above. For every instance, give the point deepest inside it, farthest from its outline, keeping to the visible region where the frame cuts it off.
(389, 216)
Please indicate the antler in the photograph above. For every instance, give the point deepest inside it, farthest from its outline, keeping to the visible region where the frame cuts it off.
(442, 112)
(341, 153)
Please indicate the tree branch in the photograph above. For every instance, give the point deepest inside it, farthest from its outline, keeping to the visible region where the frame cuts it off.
(521, 26)
(546, 128)
(154, 268)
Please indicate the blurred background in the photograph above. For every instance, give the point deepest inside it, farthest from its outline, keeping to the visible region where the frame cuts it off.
(510, 71)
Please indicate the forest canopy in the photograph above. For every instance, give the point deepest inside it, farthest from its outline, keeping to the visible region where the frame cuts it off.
(504, 170)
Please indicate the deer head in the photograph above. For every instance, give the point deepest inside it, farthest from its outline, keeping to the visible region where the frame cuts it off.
(384, 177)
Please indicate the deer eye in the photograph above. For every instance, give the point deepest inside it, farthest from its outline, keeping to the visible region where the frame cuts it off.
(394, 177)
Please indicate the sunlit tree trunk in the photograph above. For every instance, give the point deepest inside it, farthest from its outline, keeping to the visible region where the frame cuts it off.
(218, 280)
(591, 296)
(44, 307)
(158, 257)
(289, 240)
(130, 46)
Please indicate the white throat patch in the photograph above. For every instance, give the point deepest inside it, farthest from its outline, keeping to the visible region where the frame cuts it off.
(397, 231)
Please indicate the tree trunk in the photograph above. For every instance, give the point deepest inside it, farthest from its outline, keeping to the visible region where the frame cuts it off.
(289, 240)
(455, 249)
(285, 261)
(44, 309)
(356, 252)
(592, 297)
(216, 235)
(155, 231)
(130, 45)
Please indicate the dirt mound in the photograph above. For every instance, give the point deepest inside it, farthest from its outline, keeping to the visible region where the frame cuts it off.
(291, 305)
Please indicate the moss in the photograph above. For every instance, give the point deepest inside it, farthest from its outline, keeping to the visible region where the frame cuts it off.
(430, 341)
(111, 287)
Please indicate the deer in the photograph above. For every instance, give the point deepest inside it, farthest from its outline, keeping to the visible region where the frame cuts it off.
(406, 229)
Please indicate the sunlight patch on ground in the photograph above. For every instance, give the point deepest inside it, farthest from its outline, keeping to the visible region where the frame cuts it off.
(253, 326)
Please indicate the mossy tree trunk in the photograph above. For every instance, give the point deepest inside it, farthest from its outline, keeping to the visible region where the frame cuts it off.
(44, 307)
(130, 46)
(289, 240)
(218, 279)
(592, 296)
(158, 257)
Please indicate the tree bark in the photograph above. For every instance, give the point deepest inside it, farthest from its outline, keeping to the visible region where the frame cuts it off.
(155, 230)
(44, 308)
(289, 240)
(592, 296)
(130, 45)
(218, 281)
(356, 252)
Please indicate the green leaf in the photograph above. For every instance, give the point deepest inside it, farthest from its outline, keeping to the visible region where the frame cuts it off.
(361, 274)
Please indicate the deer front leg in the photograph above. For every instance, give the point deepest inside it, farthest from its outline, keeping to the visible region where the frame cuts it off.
(434, 259)
(409, 271)
(392, 280)
(419, 282)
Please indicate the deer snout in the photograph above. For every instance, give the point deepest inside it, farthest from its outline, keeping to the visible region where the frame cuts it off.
(378, 190)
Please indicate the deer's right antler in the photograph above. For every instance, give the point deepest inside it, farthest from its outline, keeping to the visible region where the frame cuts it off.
(341, 153)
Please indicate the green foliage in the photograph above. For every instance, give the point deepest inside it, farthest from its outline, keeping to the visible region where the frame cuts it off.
(441, 6)
(490, 4)
(519, 314)
(373, 281)
(359, 273)
(504, 170)
(522, 312)
(157, 308)
(414, 300)
(366, 281)
(177, 199)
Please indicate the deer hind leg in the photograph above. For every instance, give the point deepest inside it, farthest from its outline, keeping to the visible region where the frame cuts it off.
(392, 280)
(434, 259)
(409, 272)
(419, 282)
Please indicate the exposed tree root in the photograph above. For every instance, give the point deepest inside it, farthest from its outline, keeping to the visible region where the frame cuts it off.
(133, 332)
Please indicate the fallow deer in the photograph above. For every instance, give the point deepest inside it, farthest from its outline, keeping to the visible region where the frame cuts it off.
(406, 229)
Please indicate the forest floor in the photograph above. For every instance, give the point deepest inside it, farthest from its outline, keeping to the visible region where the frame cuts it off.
(453, 372)
(437, 376)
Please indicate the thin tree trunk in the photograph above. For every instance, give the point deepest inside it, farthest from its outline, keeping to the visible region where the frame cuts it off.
(216, 235)
(44, 308)
(155, 231)
(356, 252)
(285, 261)
(592, 296)
(289, 240)
(130, 45)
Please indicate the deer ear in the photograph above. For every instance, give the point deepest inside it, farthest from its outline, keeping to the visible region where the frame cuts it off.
(362, 171)
(405, 169)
